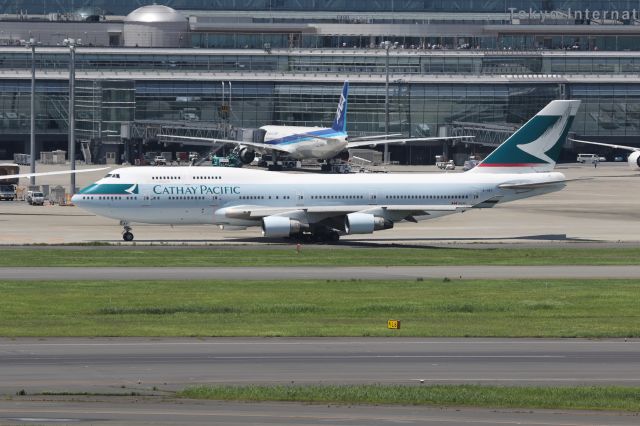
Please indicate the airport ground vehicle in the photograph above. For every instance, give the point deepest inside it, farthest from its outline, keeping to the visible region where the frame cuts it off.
(35, 198)
(470, 164)
(7, 192)
(159, 160)
(446, 165)
(587, 158)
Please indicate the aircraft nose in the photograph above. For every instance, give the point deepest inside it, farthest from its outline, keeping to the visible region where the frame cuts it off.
(76, 198)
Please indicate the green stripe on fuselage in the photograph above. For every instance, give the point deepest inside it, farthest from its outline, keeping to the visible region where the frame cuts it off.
(109, 188)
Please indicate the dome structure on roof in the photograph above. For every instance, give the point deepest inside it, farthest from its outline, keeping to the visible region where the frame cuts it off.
(155, 26)
(155, 13)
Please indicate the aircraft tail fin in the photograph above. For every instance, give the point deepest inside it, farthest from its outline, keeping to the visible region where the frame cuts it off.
(536, 146)
(340, 121)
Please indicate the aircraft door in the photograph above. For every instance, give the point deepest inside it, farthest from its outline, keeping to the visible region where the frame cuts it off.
(373, 198)
(299, 198)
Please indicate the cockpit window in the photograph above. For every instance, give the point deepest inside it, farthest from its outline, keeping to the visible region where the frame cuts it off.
(112, 175)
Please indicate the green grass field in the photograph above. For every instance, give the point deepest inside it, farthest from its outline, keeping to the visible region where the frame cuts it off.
(512, 308)
(583, 398)
(314, 256)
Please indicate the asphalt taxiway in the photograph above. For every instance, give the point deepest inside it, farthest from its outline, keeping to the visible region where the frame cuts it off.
(322, 273)
(109, 365)
(163, 411)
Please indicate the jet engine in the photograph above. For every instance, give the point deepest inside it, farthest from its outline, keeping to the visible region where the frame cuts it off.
(343, 156)
(277, 226)
(365, 223)
(246, 155)
(634, 160)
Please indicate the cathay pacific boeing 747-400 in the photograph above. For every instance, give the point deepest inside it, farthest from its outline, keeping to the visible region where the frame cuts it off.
(323, 207)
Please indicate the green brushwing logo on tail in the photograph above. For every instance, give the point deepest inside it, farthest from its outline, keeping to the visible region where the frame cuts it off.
(537, 143)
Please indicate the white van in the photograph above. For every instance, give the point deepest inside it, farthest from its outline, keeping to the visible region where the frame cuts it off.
(588, 158)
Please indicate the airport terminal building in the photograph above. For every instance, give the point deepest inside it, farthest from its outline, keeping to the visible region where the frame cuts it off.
(480, 67)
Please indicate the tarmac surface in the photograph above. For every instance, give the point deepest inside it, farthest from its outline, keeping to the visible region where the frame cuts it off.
(155, 411)
(602, 209)
(106, 365)
(160, 366)
(321, 273)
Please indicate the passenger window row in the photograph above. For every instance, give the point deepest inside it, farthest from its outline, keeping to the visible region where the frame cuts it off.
(108, 197)
(187, 197)
(206, 177)
(428, 197)
(263, 197)
(337, 197)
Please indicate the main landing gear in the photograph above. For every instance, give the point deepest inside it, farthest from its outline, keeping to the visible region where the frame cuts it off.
(127, 235)
(319, 236)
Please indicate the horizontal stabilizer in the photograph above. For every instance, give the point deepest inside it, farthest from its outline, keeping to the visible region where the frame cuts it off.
(536, 185)
(529, 185)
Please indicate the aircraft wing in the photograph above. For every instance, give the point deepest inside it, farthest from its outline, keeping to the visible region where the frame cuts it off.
(259, 146)
(64, 172)
(628, 148)
(374, 142)
(257, 212)
(370, 137)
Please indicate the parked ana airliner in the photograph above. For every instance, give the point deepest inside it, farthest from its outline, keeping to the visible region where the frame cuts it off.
(323, 207)
(633, 159)
(301, 143)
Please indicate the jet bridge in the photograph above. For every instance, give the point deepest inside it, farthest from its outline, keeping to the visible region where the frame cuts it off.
(483, 134)
(175, 132)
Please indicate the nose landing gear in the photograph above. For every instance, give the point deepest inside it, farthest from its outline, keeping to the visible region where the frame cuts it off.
(127, 235)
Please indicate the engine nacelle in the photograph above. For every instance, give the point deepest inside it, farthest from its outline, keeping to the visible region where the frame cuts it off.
(365, 223)
(634, 160)
(277, 226)
(246, 155)
(343, 156)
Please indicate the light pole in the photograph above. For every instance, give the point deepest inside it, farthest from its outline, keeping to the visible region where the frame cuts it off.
(31, 44)
(385, 158)
(72, 119)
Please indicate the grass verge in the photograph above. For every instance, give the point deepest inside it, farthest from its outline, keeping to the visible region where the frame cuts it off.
(309, 256)
(508, 308)
(582, 398)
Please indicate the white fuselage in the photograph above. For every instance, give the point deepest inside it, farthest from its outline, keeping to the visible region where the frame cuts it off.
(300, 143)
(201, 195)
